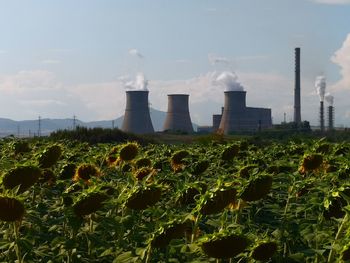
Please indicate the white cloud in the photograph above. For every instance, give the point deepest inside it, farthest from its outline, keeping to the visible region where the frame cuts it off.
(51, 61)
(29, 94)
(332, 2)
(135, 52)
(342, 59)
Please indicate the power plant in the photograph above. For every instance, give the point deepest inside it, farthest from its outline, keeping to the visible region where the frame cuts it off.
(238, 117)
(178, 114)
(297, 107)
(217, 120)
(330, 99)
(137, 117)
(321, 116)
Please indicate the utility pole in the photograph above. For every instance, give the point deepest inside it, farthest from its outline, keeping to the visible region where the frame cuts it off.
(39, 126)
(113, 124)
(284, 114)
(18, 131)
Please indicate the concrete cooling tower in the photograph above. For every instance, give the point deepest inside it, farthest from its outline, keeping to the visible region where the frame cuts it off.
(238, 117)
(137, 117)
(178, 114)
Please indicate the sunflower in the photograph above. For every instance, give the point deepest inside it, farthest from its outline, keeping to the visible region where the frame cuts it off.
(177, 160)
(174, 230)
(311, 163)
(23, 176)
(21, 147)
(85, 172)
(89, 203)
(67, 171)
(345, 254)
(50, 156)
(187, 197)
(225, 246)
(144, 197)
(230, 152)
(143, 172)
(11, 209)
(200, 167)
(218, 201)
(48, 176)
(128, 151)
(264, 251)
(143, 162)
(257, 189)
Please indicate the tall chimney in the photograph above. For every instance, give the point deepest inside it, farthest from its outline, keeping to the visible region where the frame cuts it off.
(321, 116)
(178, 114)
(297, 112)
(137, 117)
(234, 111)
(330, 118)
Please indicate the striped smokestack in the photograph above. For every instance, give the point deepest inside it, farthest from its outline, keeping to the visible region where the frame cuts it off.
(297, 112)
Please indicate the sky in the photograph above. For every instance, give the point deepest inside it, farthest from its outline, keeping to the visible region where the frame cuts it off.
(61, 58)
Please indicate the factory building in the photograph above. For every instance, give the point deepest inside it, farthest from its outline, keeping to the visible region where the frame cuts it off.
(238, 117)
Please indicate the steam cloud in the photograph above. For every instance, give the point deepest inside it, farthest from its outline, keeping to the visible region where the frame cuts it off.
(214, 59)
(320, 85)
(228, 81)
(329, 98)
(134, 52)
(139, 83)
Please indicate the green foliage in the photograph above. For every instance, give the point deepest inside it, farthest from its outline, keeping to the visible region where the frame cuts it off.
(97, 135)
(248, 200)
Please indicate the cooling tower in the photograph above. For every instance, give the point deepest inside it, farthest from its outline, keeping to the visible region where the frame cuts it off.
(178, 114)
(234, 111)
(216, 121)
(137, 117)
(297, 111)
(321, 116)
(330, 118)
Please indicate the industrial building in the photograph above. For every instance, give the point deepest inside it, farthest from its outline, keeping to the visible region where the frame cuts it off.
(178, 115)
(238, 117)
(137, 118)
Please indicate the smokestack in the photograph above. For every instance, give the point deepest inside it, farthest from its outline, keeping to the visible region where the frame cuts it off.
(330, 118)
(216, 121)
(297, 111)
(137, 117)
(321, 116)
(234, 111)
(178, 114)
(330, 99)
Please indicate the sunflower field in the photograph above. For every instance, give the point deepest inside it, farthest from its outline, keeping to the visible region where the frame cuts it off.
(233, 201)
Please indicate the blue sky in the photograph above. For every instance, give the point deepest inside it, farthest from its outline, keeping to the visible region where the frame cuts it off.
(64, 57)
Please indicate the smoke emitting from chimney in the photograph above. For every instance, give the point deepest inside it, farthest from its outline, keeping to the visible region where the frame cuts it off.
(228, 81)
(139, 83)
(329, 98)
(320, 85)
(297, 107)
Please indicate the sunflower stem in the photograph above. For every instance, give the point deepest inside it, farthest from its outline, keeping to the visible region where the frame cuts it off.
(195, 226)
(337, 236)
(16, 234)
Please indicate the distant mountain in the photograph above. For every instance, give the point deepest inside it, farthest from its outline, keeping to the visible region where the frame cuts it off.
(31, 127)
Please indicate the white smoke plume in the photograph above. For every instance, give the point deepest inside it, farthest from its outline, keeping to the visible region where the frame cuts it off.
(215, 59)
(134, 52)
(228, 81)
(320, 85)
(329, 98)
(139, 83)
